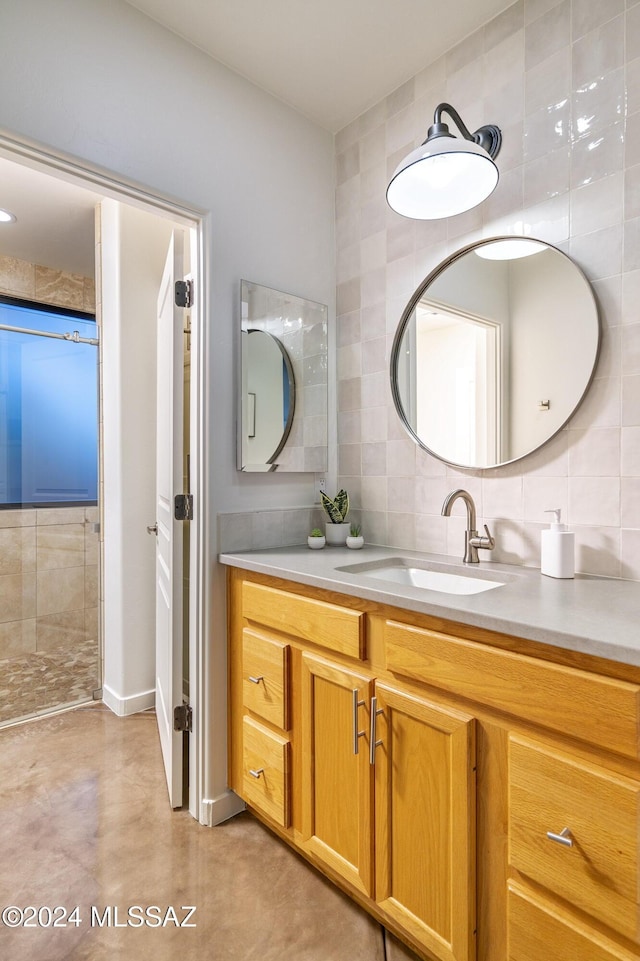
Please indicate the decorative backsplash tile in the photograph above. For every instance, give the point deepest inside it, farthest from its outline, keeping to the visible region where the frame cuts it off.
(565, 91)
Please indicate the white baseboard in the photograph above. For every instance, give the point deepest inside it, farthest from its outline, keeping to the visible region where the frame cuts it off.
(216, 810)
(123, 706)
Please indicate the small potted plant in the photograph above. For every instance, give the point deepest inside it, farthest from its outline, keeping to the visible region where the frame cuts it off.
(355, 540)
(316, 539)
(337, 527)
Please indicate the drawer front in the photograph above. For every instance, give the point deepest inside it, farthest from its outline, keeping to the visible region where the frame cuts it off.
(539, 930)
(266, 775)
(329, 625)
(265, 677)
(600, 710)
(549, 792)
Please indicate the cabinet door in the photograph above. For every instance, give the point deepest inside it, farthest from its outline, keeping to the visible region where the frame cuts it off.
(337, 779)
(425, 820)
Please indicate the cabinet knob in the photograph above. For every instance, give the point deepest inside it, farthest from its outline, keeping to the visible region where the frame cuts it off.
(563, 838)
(257, 773)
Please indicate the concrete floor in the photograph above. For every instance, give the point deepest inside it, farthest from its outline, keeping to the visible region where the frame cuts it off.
(85, 821)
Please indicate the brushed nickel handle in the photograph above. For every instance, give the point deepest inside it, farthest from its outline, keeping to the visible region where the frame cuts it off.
(373, 744)
(256, 680)
(356, 733)
(563, 838)
(257, 773)
(153, 530)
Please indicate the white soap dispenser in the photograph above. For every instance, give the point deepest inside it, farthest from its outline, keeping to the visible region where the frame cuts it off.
(557, 549)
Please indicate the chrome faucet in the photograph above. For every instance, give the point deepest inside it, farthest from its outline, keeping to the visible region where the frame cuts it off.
(472, 541)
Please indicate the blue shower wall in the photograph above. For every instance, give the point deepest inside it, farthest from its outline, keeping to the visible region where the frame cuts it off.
(48, 410)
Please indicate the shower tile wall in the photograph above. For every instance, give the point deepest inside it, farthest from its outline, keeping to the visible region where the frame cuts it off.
(49, 641)
(18, 278)
(48, 609)
(562, 80)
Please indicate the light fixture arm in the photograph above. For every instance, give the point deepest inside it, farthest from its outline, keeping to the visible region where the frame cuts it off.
(488, 137)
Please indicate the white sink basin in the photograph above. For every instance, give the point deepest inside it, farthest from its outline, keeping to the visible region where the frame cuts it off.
(436, 577)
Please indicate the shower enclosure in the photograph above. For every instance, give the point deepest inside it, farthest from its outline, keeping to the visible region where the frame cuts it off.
(49, 509)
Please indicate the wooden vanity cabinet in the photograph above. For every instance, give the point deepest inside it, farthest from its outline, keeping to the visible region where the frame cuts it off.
(431, 770)
(337, 778)
(425, 820)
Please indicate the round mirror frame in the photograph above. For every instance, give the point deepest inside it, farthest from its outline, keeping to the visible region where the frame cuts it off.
(406, 317)
(286, 430)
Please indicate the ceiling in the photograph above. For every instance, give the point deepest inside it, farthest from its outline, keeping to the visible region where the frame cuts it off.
(330, 59)
(55, 225)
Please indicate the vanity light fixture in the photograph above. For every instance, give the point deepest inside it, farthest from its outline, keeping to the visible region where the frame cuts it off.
(6, 217)
(446, 175)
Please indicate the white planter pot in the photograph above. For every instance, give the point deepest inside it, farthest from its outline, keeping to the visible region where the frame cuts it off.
(316, 543)
(337, 533)
(355, 543)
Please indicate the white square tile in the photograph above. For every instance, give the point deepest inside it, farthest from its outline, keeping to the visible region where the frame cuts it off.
(630, 457)
(542, 494)
(594, 453)
(630, 554)
(630, 502)
(631, 401)
(631, 349)
(598, 551)
(597, 205)
(374, 494)
(594, 501)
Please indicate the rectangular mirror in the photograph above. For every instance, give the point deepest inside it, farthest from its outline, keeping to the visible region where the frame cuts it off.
(282, 407)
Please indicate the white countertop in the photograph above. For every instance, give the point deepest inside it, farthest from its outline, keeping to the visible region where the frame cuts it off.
(593, 615)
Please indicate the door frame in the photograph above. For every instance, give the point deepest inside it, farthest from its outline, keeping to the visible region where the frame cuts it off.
(84, 174)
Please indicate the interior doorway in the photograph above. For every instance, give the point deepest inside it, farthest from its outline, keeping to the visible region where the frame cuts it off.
(116, 659)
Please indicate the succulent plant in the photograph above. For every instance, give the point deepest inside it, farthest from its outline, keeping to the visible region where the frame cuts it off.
(336, 509)
(355, 530)
(316, 532)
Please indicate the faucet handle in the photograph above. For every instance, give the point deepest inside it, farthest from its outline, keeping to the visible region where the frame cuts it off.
(484, 543)
(491, 543)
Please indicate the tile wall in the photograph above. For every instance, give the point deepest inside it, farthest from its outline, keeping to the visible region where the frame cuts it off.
(562, 81)
(48, 561)
(48, 609)
(19, 278)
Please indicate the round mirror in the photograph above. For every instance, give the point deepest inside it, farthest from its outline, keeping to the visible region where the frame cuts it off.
(494, 352)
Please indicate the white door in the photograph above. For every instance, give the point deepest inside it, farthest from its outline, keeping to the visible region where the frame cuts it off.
(169, 469)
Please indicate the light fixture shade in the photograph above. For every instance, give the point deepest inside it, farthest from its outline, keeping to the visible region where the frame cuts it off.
(443, 177)
(510, 249)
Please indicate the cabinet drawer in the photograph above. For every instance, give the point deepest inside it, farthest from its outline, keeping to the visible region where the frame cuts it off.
(538, 930)
(265, 677)
(265, 778)
(550, 791)
(600, 710)
(329, 625)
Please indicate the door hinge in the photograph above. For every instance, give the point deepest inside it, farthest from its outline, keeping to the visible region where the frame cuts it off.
(183, 507)
(184, 293)
(182, 718)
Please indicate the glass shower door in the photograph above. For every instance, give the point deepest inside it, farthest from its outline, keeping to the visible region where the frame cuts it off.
(49, 511)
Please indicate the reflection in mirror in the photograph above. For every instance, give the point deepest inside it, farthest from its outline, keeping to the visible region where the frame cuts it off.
(282, 423)
(494, 352)
(271, 392)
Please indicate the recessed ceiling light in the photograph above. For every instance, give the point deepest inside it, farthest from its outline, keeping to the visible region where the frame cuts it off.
(6, 217)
